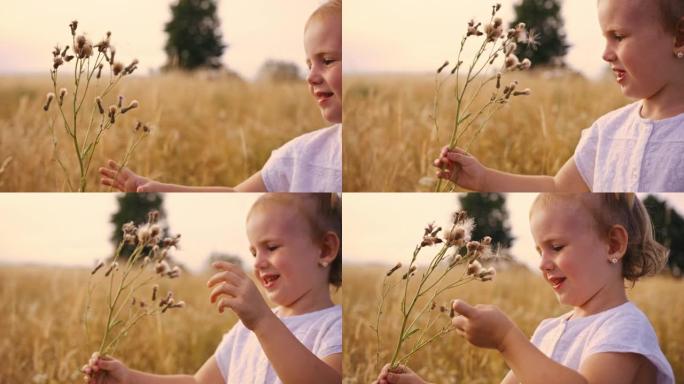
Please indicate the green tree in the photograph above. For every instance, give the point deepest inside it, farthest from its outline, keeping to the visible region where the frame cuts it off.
(544, 21)
(490, 215)
(668, 225)
(194, 35)
(134, 207)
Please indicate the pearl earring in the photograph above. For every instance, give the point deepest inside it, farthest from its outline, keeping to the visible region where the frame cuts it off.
(323, 264)
(680, 55)
(613, 260)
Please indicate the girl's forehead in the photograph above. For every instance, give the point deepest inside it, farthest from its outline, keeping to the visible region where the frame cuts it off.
(559, 212)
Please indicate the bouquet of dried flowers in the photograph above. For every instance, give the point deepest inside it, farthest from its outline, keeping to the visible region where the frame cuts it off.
(132, 289)
(89, 61)
(457, 262)
(495, 43)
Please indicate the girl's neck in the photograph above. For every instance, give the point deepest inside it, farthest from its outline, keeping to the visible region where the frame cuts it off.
(311, 301)
(609, 296)
(668, 102)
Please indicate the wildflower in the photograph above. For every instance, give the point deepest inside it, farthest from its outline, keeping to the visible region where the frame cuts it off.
(443, 66)
(73, 25)
(497, 22)
(112, 52)
(174, 273)
(99, 265)
(155, 289)
(442, 308)
(146, 129)
(473, 29)
(510, 48)
(165, 300)
(455, 236)
(524, 92)
(144, 234)
(161, 267)
(117, 68)
(391, 271)
(131, 67)
(64, 51)
(486, 240)
(128, 228)
(68, 58)
(486, 274)
(458, 65)
(146, 261)
(57, 61)
(80, 42)
(171, 241)
(493, 31)
(99, 71)
(409, 273)
(112, 113)
(474, 268)
(498, 80)
(432, 307)
(48, 100)
(512, 61)
(132, 105)
(525, 64)
(430, 240)
(120, 104)
(454, 259)
(112, 267)
(62, 93)
(180, 304)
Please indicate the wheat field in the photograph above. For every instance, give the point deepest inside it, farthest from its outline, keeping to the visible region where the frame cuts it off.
(207, 129)
(390, 139)
(525, 297)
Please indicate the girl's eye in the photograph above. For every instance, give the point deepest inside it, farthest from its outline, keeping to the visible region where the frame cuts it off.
(557, 248)
(618, 37)
(272, 248)
(328, 61)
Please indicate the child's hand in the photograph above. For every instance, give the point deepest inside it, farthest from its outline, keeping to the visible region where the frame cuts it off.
(105, 370)
(126, 180)
(482, 325)
(400, 375)
(460, 167)
(240, 294)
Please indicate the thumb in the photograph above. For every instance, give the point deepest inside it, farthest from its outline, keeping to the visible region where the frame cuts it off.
(396, 378)
(463, 308)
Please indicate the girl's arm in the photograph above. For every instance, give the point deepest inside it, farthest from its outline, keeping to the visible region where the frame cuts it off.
(107, 370)
(292, 361)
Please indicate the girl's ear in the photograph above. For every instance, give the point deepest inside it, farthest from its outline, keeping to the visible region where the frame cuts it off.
(329, 248)
(617, 241)
(679, 37)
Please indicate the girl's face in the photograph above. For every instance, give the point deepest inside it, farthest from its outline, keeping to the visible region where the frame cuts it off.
(286, 257)
(574, 258)
(638, 49)
(323, 46)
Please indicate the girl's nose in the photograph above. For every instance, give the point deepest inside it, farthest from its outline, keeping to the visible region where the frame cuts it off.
(608, 54)
(260, 261)
(545, 263)
(314, 77)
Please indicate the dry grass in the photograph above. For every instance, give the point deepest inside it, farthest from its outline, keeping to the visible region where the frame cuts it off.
(42, 330)
(522, 295)
(208, 130)
(389, 139)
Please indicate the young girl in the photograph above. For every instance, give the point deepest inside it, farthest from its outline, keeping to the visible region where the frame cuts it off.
(588, 245)
(311, 162)
(296, 243)
(639, 147)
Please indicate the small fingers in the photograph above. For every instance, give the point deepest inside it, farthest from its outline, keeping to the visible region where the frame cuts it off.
(225, 276)
(111, 183)
(223, 289)
(225, 303)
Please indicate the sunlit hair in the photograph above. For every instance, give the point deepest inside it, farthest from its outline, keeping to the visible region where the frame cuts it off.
(323, 212)
(670, 13)
(644, 255)
(329, 8)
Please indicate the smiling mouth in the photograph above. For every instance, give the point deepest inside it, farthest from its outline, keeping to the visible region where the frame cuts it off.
(322, 96)
(268, 280)
(619, 75)
(556, 282)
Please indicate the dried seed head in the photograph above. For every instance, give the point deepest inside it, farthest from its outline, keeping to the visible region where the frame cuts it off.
(174, 273)
(134, 104)
(161, 267)
(510, 48)
(112, 267)
(439, 70)
(455, 237)
(99, 265)
(80, 42)
(120, 104)
(48, 100)
(512, 61)
(155, 289)
(64, 51)
(117, 68)
(493, 31)
(498, 80)
(153, 216)
(99, 71)
(73, 25)
(473, 29)
(131, 67)
(112, 113)
(62, 93)
(128, 228)
(57, 61)
(391, 271)
(486, 240)
(409, 273)
(98, 101)
(525, 64)
(112, 52)
(171, 241)
(474, 267)
(497, 22)
(524, 92)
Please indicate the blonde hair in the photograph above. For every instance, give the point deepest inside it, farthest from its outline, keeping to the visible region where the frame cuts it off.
(329, 8)
(644, 255)
(323, 213)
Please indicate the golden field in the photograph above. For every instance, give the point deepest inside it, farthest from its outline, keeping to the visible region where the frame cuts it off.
(390, 140)
(43, 338)
(525, 297)
(207, 130)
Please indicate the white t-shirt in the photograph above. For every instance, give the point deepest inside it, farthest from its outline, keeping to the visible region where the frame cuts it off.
(241, 359)
(569, 341)
(311, 162)
(623, 152)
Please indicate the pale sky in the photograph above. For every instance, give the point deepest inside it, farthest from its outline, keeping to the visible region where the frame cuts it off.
(417, 36)
(385, 227)
(255, 30)
(73, 229)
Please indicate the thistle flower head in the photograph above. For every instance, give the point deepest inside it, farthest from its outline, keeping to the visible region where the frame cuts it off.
(99, 265)
(391, 271)
(161, 267)
(153, 216)
(62, 93)
(117, 68)
(171, 241)
(525, 64)
(512, 61)
(72, 26)
(57, 61)
(474, 268)
(48, 100)
(473, 29)
(134, 104)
